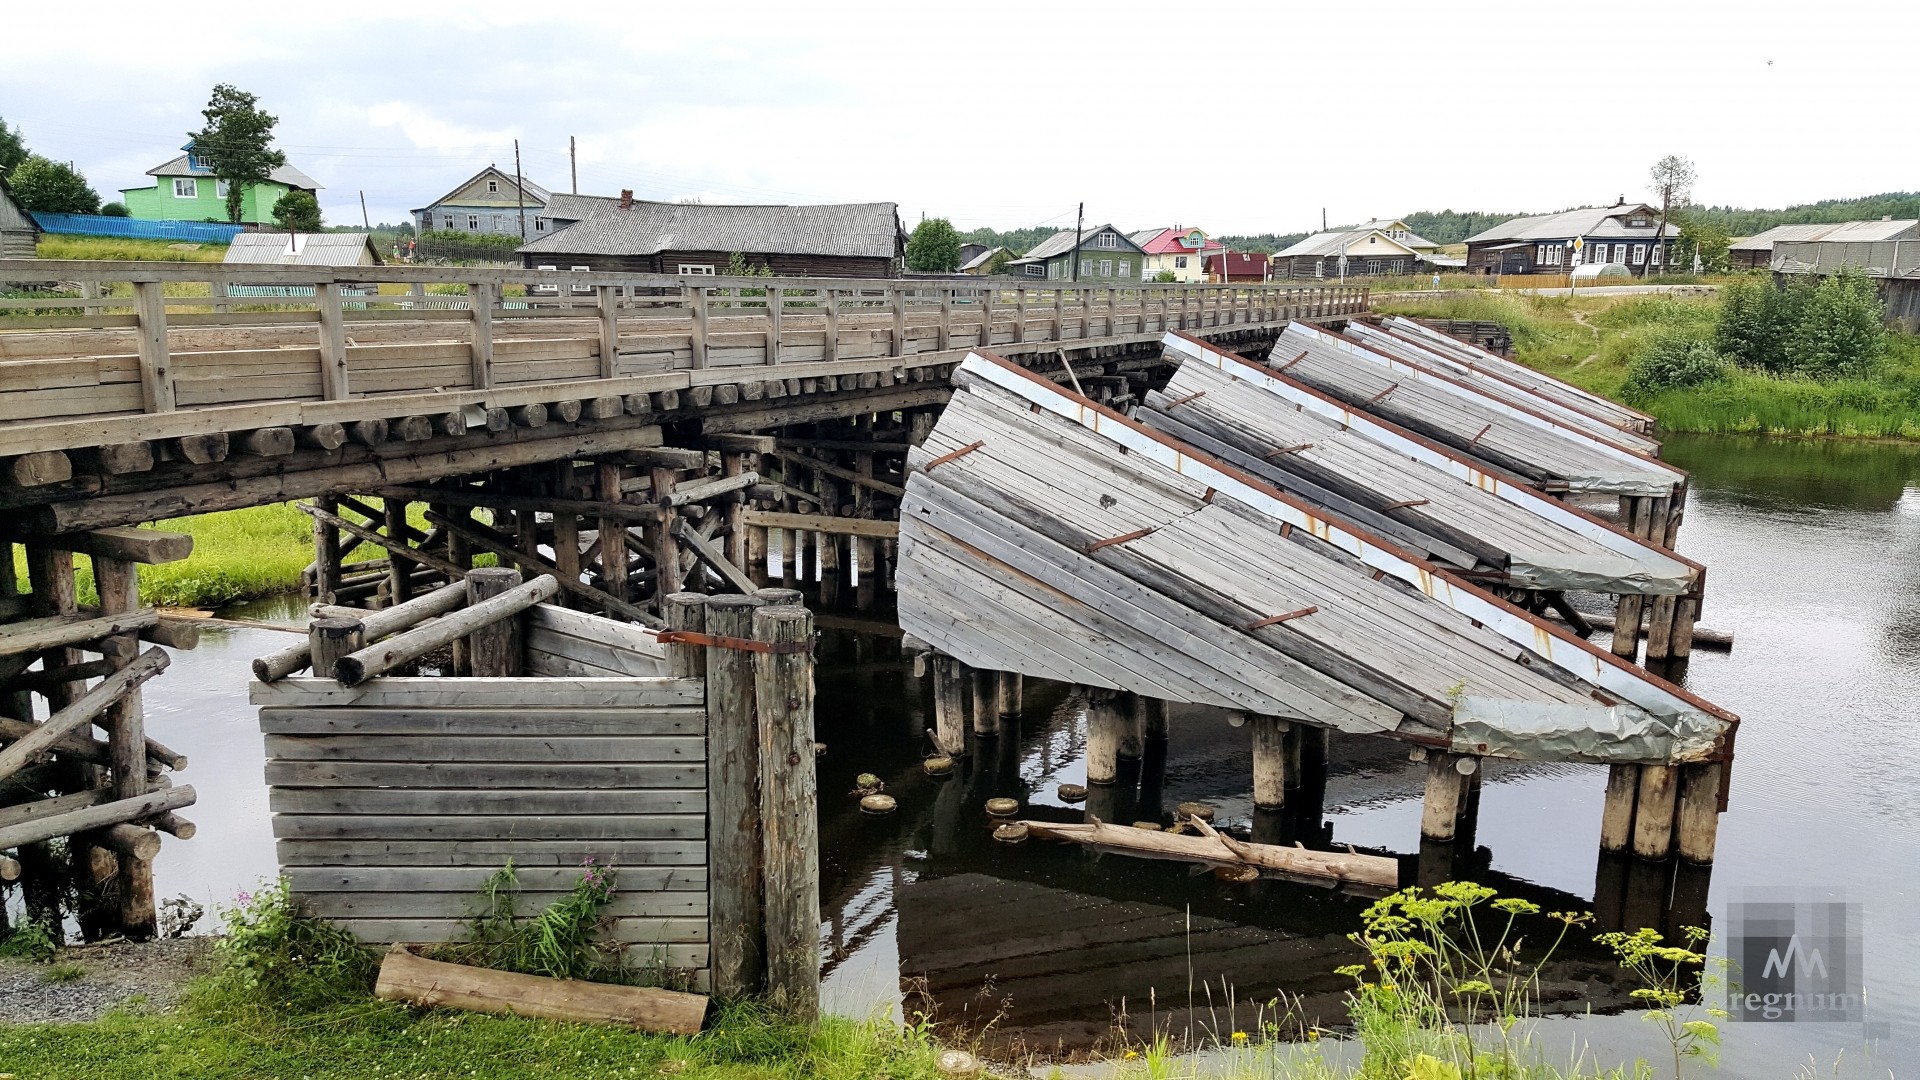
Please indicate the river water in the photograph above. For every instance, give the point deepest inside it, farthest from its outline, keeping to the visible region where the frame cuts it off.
(1814, 557)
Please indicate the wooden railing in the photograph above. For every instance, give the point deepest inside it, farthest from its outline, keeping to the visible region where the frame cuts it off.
(157, 337)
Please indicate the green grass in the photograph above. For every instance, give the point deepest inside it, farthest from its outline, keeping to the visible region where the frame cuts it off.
(1589, 341)
(237, 555)
(61, 246)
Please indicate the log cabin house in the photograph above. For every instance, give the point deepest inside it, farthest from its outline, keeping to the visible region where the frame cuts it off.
(855, 240)
(1104, 254)
(1543, 243)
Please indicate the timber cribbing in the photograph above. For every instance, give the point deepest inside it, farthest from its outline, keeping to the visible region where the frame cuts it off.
(138, 391)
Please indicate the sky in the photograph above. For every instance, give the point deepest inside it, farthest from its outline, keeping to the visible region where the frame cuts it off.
(1234, 118)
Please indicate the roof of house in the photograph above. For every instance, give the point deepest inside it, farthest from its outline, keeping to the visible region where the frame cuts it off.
(869, 230)
(1602, 221)
(1239, 262)
(1062, 242)
(1869, 231)
(285, 174)
(983, 258)
(568, 206)
(1354, 241)
(1169, 242)
(534, 191)
(307, 249)
(1388, 225)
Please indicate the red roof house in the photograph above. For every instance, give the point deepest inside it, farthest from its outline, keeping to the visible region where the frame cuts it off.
(1240, 266)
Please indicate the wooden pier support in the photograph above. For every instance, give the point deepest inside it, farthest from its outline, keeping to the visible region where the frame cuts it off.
(983, 688)
(1105, 728)
(1445, 803)
(1009, 691)
(949, 706)
(1616, 818)
(1654, 810)
(1697, 821)
(783, 689)
(1133, 729)
(1269, 761)
(736, 909)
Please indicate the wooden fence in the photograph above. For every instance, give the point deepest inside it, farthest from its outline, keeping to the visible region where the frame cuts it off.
(158, 338)
(576, 741)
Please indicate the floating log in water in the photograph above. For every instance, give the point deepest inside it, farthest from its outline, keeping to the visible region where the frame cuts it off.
(432, 984)
(1214, 849)
(1712, 639)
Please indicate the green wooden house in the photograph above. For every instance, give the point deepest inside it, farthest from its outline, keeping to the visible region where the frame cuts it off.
(186, 190)
(1102, 254)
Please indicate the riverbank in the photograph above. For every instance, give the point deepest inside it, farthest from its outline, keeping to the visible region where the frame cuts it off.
(237, 555)
(1590, 341)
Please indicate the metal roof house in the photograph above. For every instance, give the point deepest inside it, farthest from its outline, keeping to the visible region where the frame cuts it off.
(1623, 233)
(18, 233)
(1367, 252)
(979, 261)
(491, 202)
(862, 240)
(187, 190)
(1180, 252)
(302, 249)
(1756, 252)
(1102, 252)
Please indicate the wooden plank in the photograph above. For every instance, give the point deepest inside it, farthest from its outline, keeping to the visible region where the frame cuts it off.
(523, 749)
(545, 723)
(773, 519)
(156, 374)
(468, 879)
(610, 659)
(347, 772)
(593, 627)
(483, 857)
(646, 934)
(409, 826)
(334, 383)
(572, 693)
(627, 903)
(366, 802)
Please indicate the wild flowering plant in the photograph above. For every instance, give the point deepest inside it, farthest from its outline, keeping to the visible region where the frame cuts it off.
(1667, 972)
(271, 949)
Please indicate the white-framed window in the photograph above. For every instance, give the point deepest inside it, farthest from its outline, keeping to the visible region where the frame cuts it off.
(186, 187)
(500, 223)
(473, 222)
(580, 288)
(1179, 262)
(1036, 270)
(1656, 253)
(1106, 240)
(1126, 268)
(546, 289)
(1086, 267)
(447, 220)
(1106, 267)
(493, 186)
(694, 269)
(220, 189)
(1639, 253)
(1540, 253)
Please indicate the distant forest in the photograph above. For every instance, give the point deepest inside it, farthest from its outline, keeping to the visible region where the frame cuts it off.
(1454, 226)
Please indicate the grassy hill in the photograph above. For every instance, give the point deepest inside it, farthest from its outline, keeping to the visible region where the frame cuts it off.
(121, 249)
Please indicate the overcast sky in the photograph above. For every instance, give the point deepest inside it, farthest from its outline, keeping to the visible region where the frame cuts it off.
(1235, 119)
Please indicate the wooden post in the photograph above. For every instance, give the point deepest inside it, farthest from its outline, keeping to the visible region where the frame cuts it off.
(736, 910)
(946, 320)
(1636, 515)
(1653, 811)
(330, 639)
(399, 567)
(613, 534)
(831, 565)
(326, 552)
(480, 306)
(1020, 314)
(776, 303)
(985, 707)
(497, 650)
(866, 592)
(156, 368)
(1699, 810)
(1059, 313)
(666, 547)
(1269, 762)
(118, 585)
(898, 294)
(1446, 793)
(1133, 726)
(949, 706)
(830, 304)
(783, 695)
(1616, 819)
(1007, 695)
(333, 342)
(566, 527)
(1154, 717)
(609, 297)
(1104, 724)
(697, 302)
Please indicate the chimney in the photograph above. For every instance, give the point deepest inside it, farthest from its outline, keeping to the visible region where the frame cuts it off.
(626, 198)
(1621, 201)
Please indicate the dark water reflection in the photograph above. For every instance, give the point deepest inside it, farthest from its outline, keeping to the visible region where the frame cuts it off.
(1814, 550)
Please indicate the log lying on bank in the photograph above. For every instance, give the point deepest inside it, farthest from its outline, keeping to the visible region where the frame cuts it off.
(1372, 872)
(432, 984)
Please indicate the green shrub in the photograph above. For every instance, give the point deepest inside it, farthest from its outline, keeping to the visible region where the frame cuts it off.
(1674, 360)
(1838, 334)
(276, 954)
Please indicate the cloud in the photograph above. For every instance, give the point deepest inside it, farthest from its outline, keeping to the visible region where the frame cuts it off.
(430, 132)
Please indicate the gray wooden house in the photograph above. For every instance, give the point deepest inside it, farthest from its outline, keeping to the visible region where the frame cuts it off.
(487, 202)
(861, 240)
(18, 232)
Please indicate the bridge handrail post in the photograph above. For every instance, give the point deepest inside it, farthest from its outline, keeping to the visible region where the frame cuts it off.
(480, 307)
(776, 307)
(1059, 313)
(609, 297)
(333, 341)
(986, 317)
(156, 375)
(830, 304)
(696, 296)
(897, 294)
(1020, 314)
(946, 319)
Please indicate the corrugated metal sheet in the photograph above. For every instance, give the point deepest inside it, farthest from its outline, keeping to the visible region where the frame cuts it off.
(1847, 231)
(1445, 514)
(1885, 259)
(1462, 416)
(846, 229)
(1539, 382)
(1603, 221)
(1057, 539)
(198, 232)
(301, 249)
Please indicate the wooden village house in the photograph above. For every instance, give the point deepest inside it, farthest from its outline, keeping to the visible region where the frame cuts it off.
(1623, 234)
(488, 202)
(1103, 253)
(1237, 267)
(185, 189)
(1756, 252)
(860, 240)
(1179, 252)
(1376, 248)
(18, 233)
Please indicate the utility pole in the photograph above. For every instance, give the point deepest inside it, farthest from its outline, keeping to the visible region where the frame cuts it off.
(1323, 219)
(519, 191)
(573, 163)
(1079, 224)
(363, 210)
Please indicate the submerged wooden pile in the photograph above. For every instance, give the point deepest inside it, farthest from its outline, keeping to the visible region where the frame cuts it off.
(108, 799)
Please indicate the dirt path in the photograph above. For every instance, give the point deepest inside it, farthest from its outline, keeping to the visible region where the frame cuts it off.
(83, 983)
